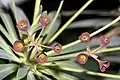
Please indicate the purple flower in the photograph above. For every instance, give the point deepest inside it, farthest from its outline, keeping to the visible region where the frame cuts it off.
(18, 46)
(22, 25)
(82, 58)
(84, 37)
(42, 58)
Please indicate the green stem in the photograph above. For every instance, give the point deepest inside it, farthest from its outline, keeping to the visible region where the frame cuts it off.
(46, 46)
(30, 37)
(69, 21)
(56, 15)
(92, 34)
(91, 73)
(108, 50)
(75, 54)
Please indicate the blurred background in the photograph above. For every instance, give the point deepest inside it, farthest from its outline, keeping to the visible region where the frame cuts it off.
(96, 15)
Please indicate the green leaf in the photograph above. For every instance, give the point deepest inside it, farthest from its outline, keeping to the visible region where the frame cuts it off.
(54, 23)
(54, 27)
(41, 76)
(18, 13)
(30, 76)
(7, 56)
(22, 72)
(6, 33)
(37, 8)
(69, 63)
(4, 45)
(9, 25)
(21, 15)
(7, 69)
(67, 76)
(61, 75)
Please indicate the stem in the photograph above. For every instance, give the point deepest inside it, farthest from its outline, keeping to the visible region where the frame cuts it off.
(46, 46)
(30, 37)
(109, 50)
(66, 46)
(91, 73)
(69, 21)
(75, 54)
(57, 13)
(92, 34)
(96, 49)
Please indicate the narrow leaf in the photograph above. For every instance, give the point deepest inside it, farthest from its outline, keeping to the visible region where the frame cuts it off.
(18, 13)
(54, 22)
(7, 56)
(9, 25)
(36, 10)
(30, 76)
(22, 71)
(50, 32)
(6, 33)
(7, 69)
(61, 75)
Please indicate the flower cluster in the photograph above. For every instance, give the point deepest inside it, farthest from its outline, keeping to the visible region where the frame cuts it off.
(19, 46)
(82, 58)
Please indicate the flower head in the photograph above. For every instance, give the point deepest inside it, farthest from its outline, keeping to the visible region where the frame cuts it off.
(82, 58)
(18, 46)
(103, 65)
(22, 25)
(44, 20)
(42, 58)
(57, 48)
(84, 37)
(104, 40)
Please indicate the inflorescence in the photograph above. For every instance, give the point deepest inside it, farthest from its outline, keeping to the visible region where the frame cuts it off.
(41, 56)
(19, 45)
(83, 58)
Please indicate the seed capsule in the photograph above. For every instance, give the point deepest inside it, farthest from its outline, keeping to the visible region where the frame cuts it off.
(82, 58)
(103, 65)
(84, 37)
(42, 58)
(18, 46)
(23, 25)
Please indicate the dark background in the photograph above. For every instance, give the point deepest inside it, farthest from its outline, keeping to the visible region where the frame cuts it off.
(69, 5)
